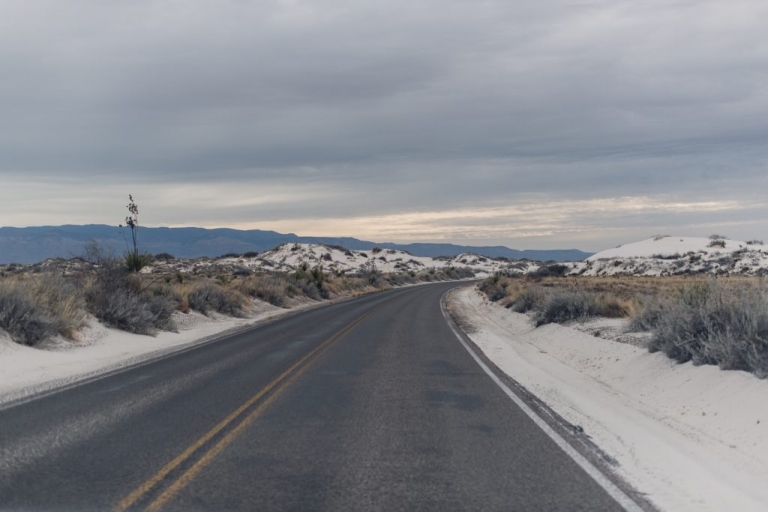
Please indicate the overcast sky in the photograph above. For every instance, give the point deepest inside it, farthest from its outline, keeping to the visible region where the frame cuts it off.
(527, 123)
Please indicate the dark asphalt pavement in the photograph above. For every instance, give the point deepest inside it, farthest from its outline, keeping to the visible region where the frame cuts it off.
(370, 404)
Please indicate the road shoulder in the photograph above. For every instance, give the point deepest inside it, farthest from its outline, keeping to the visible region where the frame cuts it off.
(674, 430)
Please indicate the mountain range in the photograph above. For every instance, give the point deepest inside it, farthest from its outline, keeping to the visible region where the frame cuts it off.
(34, 244)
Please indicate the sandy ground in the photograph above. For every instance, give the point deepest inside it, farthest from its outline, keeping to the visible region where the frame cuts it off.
(25, 371)
(692, 438)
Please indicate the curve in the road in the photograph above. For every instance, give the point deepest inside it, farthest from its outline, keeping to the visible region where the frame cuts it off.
(370, 404)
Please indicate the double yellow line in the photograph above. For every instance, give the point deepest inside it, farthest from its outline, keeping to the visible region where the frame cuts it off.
(276, 387)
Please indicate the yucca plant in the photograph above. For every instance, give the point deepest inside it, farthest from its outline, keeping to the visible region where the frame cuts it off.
(135, 260)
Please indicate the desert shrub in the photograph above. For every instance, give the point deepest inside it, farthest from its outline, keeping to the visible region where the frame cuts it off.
(612, 307)
(754, 242)
(674, 256)
(647, 315)
(372, 277)
(118, 300)
(711, 323)
(717, 237)
(135, 261)
(346, 284)
(656, 238)
(250, 254)
(717, 243)
(562, 306)
(20, 316)
(551, 270)
(173, 293)
(726, 261)
(310, 281)
(165, 256)
(399, 279)
(208, 296)
(307, 289)
(35, 309)
(453, 273)
(63, 299)
(271, 288)
(130, 311)
(230, 255)
(241, 271)
(494, 287)
(527, 299)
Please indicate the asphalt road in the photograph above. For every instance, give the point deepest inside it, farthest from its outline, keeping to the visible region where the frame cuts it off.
(370, 404)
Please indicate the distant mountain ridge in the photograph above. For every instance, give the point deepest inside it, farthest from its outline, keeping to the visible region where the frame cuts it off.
(33, 244)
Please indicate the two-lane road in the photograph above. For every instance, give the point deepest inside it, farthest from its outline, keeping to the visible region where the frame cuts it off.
(370, 404)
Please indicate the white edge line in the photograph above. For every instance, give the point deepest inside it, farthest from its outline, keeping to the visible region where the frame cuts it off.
(613, 491)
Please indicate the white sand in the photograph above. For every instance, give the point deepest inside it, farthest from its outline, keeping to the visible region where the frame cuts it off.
(288, 257)
(674, 255)
(692, 438)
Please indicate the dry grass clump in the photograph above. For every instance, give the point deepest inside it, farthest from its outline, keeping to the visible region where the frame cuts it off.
(209, 296)
(63, 300)
(712, 322)
(39, 307)
(555, 300)
(342, 285)
(562, 307)
(121, 301)
(271, 288)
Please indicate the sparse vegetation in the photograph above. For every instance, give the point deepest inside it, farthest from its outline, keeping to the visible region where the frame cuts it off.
(719, 321)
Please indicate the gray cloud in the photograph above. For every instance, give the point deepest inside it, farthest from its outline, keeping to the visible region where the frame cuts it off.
(296, 114)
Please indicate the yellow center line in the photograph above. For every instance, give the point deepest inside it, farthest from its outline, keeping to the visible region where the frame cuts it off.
(148, 485)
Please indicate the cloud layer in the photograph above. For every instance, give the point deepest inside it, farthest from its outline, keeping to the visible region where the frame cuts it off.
(532, 124)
